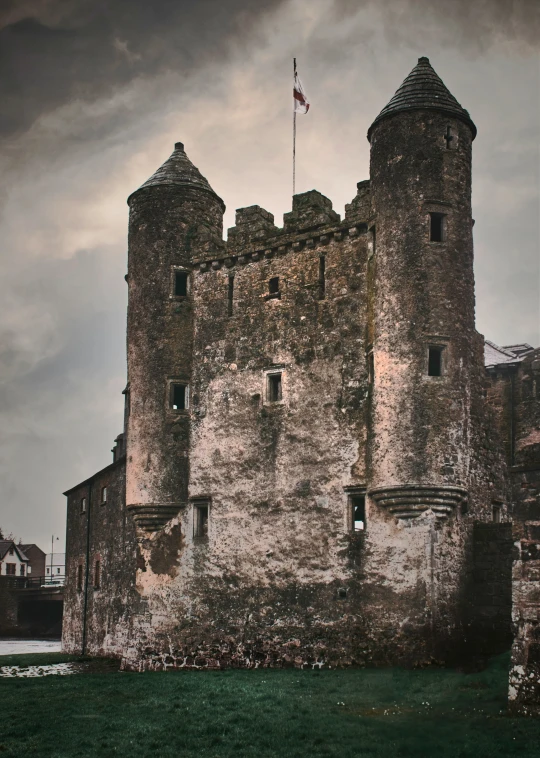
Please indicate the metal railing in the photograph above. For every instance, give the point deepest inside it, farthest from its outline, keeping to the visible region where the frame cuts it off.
(56, 580)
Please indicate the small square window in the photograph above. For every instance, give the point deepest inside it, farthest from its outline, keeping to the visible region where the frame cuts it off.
(435, 361)
(180, 283)
(274, 388)
(179, 397)
(103, 495)
(200, 521)
(273, 285)
(436, 227)
(83, 505)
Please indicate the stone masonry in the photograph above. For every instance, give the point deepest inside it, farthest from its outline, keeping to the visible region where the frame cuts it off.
(311, 430)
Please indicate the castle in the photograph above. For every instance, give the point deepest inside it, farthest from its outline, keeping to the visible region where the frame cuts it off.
(322, 460)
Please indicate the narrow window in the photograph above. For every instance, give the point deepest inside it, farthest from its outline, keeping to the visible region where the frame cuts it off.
(274, 393)
(22, 569)
(83, 505)
(449, 138)
(12, 551)
(322, 277)
(436, 227)
(358, 508)
(230, 295)
(435, 361)
(179, 397)
(58, 570)
(103, 495)
(371, 367)
(273, 287)
(200, 521)
(496, 513)
(48, 571)
(97, 575)
(180, 283)
(79, 577)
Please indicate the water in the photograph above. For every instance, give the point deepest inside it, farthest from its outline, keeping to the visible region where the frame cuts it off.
(18, 646)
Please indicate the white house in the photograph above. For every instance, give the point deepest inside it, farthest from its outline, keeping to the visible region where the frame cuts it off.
(13, 562)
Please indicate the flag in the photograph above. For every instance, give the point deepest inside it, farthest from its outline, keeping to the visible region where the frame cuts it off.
(300, 101)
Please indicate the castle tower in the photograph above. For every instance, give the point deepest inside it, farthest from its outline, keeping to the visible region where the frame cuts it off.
(424, 344)
(174, 217)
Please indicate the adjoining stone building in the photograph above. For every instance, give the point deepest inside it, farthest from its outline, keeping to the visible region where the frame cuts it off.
(317, 468)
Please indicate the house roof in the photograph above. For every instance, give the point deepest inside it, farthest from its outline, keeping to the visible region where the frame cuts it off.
(27, 547)
(5, 546)
(424, 90)
(521, 349)
(494, 355)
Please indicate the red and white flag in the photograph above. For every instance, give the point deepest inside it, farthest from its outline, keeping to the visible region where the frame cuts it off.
(300, 101)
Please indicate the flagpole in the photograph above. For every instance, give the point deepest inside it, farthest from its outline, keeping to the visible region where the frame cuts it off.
(294, 134)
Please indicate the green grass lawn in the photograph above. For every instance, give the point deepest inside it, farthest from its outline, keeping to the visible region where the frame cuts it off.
(351, 712)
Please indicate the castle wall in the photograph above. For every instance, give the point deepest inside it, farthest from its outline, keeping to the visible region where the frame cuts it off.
(524, 687)
(106, 532)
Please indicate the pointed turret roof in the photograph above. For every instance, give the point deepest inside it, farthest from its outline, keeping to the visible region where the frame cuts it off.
(177, 171)
(424, 90)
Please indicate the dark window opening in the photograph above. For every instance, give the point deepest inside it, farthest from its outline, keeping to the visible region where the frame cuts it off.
(496, 514)
(179, 397)
(22, 569)
(322, 277)
(103, 495)
(435, 361)
(79, 578)
(274, 388)
(230, 296)
(200, 524)
(436, 227)
(358, 507)
(373, 240)
(97, 575)
(180, 283)
(371, 368)
(12, 551)
(273, 287)
(11, 569)
(83, 505)
(449, 137)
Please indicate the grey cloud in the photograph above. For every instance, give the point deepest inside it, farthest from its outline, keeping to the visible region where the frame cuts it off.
(55, 51)
(474, 25)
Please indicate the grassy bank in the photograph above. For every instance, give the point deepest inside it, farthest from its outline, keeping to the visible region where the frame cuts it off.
(264, 713)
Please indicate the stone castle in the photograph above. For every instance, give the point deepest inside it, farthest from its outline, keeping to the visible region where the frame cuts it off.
(322, 460)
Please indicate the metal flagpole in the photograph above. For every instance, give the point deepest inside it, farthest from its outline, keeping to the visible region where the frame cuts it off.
(294, 134)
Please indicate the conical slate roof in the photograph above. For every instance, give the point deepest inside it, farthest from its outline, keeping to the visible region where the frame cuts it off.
(179, 171)
(424, 90)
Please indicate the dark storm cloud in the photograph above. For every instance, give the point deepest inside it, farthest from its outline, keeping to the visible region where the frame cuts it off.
(53, 52)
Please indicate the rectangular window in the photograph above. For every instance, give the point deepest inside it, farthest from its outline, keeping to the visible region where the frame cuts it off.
(11, 569)
(322, 277)
(230, 295)
(436, 227)
(435, 363)
(179, 397)
(496, 513)
(79, 577)
(273, 288)
(371, 367)
(358, 512)
(180, 283)
(200, 521)
(83, 505)
(22, 569)
(273, 390)
(103, 495)
(97, 575)
(12, 551)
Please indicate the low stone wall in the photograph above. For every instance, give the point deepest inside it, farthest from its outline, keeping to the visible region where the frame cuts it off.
(524, 684)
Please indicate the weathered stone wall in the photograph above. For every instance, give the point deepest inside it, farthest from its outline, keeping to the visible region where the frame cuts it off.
(524, 688)
(109, 530)
(490, 626)
(9, 617)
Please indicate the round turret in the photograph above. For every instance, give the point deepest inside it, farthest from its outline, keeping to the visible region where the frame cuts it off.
(175, 219)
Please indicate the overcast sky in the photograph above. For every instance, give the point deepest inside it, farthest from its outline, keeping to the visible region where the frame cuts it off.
(93, 95)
